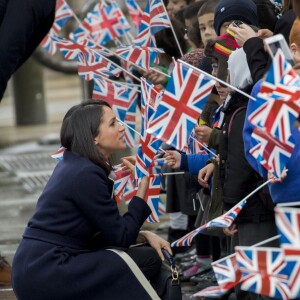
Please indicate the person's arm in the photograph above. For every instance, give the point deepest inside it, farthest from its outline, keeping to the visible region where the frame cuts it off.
(197, 162)
(91, 195)
(155, 241)
(214, 138)
(257, 58)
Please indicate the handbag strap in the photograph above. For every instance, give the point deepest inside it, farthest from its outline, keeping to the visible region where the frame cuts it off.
(137, 273)
(170, 260)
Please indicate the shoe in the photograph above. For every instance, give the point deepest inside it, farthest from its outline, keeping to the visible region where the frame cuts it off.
(183, 256)
(201, 277)
(188, 264)
(209, 279)
(196, 269)
(5, 272)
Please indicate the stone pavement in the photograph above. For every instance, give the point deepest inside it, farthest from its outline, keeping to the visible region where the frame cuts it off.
(25, 163)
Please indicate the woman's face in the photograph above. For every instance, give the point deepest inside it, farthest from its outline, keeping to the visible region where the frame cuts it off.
(111, 137)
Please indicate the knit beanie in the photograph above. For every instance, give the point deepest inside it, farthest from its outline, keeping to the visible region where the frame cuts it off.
(231, 10)
(220, 49)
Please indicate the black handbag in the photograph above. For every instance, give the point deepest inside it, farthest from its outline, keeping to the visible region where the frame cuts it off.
(167, 283)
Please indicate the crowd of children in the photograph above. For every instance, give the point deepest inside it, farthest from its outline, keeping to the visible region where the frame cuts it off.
(232, 49)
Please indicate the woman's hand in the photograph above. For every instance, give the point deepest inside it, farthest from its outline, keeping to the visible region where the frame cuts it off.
(129, 162)
(173, 159)
(231, 230)
(156, 242)
(143, 187)
(205, 174)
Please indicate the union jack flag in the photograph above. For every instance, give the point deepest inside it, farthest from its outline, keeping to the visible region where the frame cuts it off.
(116, 95)
(94, 65)
(277, 73)
(186, 240)
(108, 91)
(227, 272)
(223, 221)
(211, 291)
(155, 18)
(153, 199)
(152, 93)
(59, 154)
(135, 12)
(193, 146)
(148, 144)
(228, 218)
(63, 13)
(143, 57)
(104, 23)
(288, 226)
(130, 189)
(278, 103)
(270, 152)
(145, 38)
(120, 182)
(80, 34)
(180, 106)
(263, 271)
(69, 49)
(48, 44)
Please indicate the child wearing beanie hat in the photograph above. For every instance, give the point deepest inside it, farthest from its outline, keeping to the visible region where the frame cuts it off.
(231, 10)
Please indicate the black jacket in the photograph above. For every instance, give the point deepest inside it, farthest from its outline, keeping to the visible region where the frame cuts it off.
(237, 177)
(258, 59)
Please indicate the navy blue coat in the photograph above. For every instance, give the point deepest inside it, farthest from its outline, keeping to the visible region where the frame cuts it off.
(62, 255)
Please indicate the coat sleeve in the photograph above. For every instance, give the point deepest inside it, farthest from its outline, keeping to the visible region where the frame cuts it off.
(257, 57)
(91, 194)
(214, 138)
(197, 162)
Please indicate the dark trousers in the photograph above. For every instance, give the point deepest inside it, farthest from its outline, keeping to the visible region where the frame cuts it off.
(23, 26)
(147, 260)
